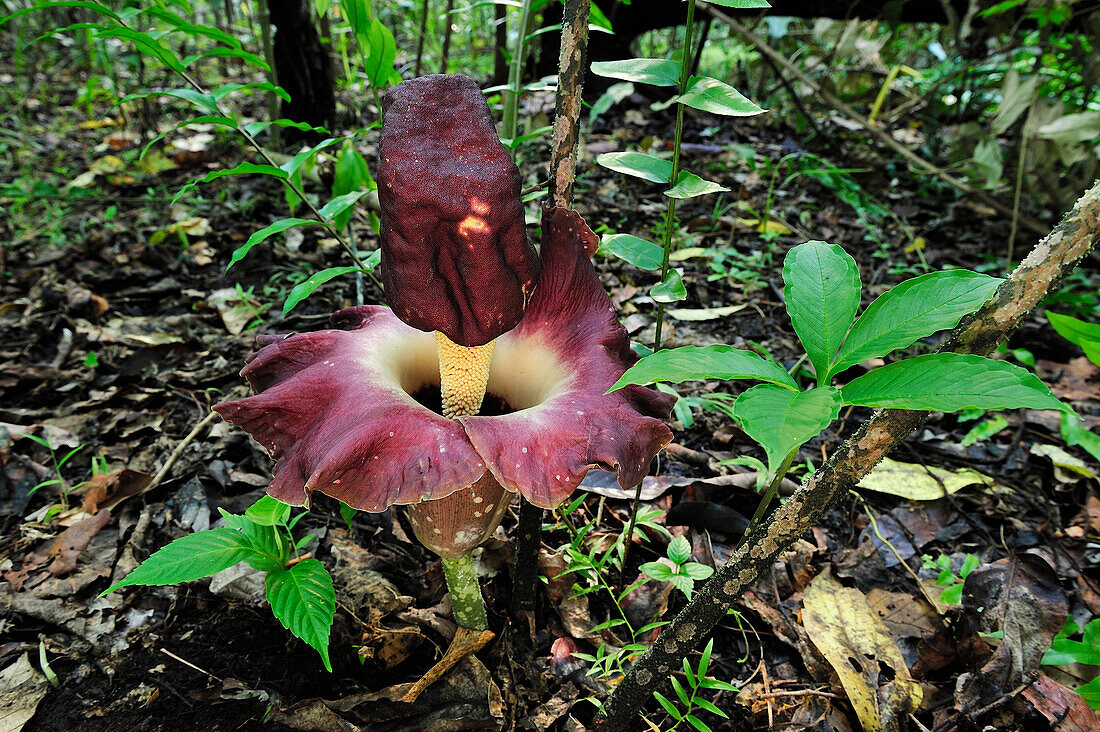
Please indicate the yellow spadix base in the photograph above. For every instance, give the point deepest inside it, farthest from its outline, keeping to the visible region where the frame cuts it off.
(463, 374)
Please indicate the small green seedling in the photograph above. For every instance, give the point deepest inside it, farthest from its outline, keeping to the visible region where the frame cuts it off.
(697, 680)
(1064, 651)
(683, 573)
(299, 588)
(953, 584)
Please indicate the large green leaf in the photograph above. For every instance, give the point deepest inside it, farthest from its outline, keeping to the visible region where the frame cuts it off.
(279, 226)
(380, 53)
(1074, 330)
(950, 382)
(717, 97)
(689, 185)
(693, 363)
(913, 309)
(822, 293)
(638, 165)
(633, 250)
(302, 599)
(781, 419)
(188, 558)
(658, 72)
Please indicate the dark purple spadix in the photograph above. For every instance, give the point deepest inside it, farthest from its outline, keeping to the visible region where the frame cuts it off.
(455, 256)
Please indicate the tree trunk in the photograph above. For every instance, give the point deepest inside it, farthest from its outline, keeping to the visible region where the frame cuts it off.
(302, 68)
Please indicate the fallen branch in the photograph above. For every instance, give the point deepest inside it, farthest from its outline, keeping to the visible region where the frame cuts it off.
(1038, 275)
(882, 136)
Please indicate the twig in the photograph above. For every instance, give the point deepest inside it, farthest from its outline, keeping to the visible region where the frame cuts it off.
(1038, 274)
(883, 137)
(178, 452)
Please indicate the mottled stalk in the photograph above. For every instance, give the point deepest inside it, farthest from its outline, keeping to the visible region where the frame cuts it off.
(466, 600)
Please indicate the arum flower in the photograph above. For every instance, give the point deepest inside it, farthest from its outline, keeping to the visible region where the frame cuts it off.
(488, 376)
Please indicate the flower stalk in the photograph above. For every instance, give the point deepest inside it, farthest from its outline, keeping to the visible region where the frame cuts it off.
(466, 601)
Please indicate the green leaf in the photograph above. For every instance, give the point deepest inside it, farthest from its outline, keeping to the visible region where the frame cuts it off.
(351, 173)
(671, 290)
(279, 226)
(683, 583)
(380, 53)
(822, 293)
(146, 44)
(254, 128)
(340, 205)
(1090, 692)
(638, 165)
(704, 662)
(191, 29)
(267, 511)
(222, 52)
(668, 706)
(302, 599)
(679, 550)
(704, 704)
(697, 723)
(1077, 436)
(658, 72)
(697, 571)
(206, 119)
(657, 570)
(742, 4)
(347, 513)
(85, 4)
(681, 692)
(633, 250)
(188, 558)
(950, 382)
(304, 289)
(952, 595)
(240, 169)
(984, 430)
(1072, 329)
(206, 102)
(694, 363)
(781, 419)
(717, 97)
(914, 309)
(689, 185)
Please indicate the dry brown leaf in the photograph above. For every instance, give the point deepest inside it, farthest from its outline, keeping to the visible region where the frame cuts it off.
(849, 633)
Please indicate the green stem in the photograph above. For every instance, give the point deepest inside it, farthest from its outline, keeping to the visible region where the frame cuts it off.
(670, 215)
(515, 75)
(773, 488)
(466, 600)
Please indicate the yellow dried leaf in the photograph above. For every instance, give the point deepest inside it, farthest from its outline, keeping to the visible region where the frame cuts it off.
(855, 641)
(919, 483)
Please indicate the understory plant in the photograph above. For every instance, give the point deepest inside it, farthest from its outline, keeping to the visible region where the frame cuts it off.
(822, 297)
(297, 585)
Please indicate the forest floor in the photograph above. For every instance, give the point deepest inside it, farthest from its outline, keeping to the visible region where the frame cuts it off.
(119, 327)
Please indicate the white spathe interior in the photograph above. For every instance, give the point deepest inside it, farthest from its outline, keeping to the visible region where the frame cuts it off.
(524, 371)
